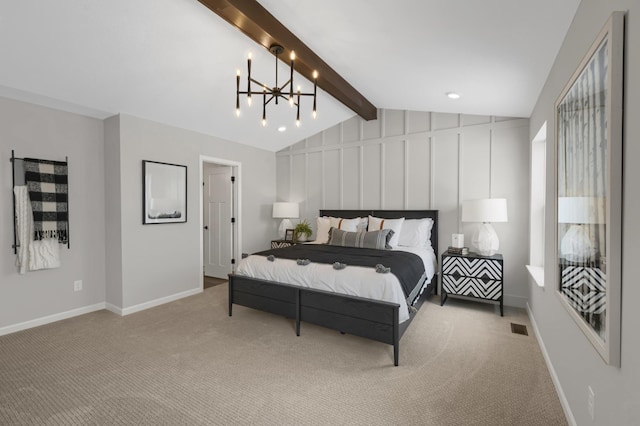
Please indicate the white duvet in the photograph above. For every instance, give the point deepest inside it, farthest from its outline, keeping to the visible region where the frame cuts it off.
(353, 280)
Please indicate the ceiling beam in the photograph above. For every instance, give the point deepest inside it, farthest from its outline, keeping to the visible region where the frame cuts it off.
(262, 27)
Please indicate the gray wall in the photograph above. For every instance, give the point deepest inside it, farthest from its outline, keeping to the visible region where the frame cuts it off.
(113, 224)
(160, 261)
(418, 160)
(575, 363)
(34, 131)
(124, 265)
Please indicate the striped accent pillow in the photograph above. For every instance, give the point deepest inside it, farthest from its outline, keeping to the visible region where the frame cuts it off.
(372, 239)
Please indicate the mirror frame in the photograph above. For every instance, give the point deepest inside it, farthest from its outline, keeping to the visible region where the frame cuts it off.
(607, 344)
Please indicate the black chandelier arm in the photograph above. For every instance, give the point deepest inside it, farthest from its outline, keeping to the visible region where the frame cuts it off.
(288, 83)
(271, 92)
(272, 97)
(281, 88)
(254, 93)
(253, 80)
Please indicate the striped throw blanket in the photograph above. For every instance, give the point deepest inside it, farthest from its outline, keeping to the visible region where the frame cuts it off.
(47, 182)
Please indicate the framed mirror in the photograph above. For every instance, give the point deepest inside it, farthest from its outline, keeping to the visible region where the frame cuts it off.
(588, 129)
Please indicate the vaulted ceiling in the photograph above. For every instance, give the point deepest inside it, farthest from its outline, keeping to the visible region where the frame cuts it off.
(174, 61)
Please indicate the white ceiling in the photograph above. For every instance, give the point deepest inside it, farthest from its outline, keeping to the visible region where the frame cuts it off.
(174, 61)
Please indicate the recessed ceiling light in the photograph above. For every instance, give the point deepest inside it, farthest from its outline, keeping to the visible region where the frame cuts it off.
(282, 128)
(453, 95)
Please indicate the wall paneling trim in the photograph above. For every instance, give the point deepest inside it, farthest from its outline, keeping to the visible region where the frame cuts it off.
(418, 160)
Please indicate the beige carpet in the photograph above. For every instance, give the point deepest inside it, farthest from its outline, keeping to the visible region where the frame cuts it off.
(188, 363)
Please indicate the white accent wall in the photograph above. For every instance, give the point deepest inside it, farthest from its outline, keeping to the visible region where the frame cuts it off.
(574, 363)
(419, 160)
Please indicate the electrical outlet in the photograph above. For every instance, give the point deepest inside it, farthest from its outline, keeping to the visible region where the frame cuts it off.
(77, 285)
(591, 404)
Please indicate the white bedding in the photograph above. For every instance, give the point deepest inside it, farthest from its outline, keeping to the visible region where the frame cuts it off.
(353, 280)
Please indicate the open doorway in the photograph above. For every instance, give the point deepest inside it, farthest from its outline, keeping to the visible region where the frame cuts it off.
(220, 209)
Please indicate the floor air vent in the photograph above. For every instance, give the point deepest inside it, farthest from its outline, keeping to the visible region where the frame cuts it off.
(519, 329)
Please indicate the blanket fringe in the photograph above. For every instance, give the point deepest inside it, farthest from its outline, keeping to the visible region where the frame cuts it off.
(61, 235)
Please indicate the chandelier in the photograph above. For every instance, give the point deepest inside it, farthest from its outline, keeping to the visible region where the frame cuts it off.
(276, 92)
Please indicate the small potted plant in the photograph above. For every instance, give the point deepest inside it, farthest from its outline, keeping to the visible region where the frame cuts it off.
(302, 231)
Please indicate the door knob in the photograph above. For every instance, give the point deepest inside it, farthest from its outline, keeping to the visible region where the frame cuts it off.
(206, 227)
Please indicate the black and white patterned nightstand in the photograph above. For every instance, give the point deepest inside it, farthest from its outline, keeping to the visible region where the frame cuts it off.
(584, 286)
(472, 275)
(281, 243)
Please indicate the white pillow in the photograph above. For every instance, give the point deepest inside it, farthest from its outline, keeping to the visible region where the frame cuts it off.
(349, 225)
(364, 223)
(325, 223)
(376, 223)
(416, 233)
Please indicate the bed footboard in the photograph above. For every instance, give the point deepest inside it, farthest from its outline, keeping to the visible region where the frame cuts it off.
(372, 319)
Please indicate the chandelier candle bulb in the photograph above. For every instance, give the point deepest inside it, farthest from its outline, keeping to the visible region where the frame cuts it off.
(298, 113)
(315, 88)
(264, 107)
(293, 57)
(249, 78)
(238, 93)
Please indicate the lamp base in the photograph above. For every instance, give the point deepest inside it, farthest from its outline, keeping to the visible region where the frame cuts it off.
(576, 245)
(282, 229)
(485, 240)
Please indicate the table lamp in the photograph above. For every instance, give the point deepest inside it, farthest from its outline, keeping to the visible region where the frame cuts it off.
(485, 211)
(285, 211)
(576, 244)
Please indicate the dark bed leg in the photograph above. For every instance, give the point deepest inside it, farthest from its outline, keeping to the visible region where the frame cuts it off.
(230, 294)
(298, 313)
(396, 337)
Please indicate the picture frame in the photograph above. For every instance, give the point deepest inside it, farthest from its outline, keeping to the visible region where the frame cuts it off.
(288, 235)
(164, 193)
(588, 191)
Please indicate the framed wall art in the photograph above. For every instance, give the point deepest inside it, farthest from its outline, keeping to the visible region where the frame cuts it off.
(164, 192)
(588, 130)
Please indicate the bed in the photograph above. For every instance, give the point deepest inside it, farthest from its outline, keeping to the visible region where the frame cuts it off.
(381, 317)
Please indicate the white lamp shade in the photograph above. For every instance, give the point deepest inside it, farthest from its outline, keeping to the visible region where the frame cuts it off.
(285, 210)
(485, 210)
(582, 210)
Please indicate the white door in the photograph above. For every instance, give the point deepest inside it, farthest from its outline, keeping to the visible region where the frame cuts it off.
(217, 221)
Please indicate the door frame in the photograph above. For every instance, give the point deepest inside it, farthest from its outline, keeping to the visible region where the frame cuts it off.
(236, 234)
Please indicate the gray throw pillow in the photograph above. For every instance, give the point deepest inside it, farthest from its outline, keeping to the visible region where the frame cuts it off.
(372, 239)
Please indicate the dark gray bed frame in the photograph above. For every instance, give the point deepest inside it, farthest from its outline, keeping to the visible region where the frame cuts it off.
(372, 319)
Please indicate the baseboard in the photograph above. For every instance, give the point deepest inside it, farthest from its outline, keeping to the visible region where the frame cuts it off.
(113, 308)
(51, 318)
(515, 301)
(153, 303)
(92, 308)
(554, 377)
